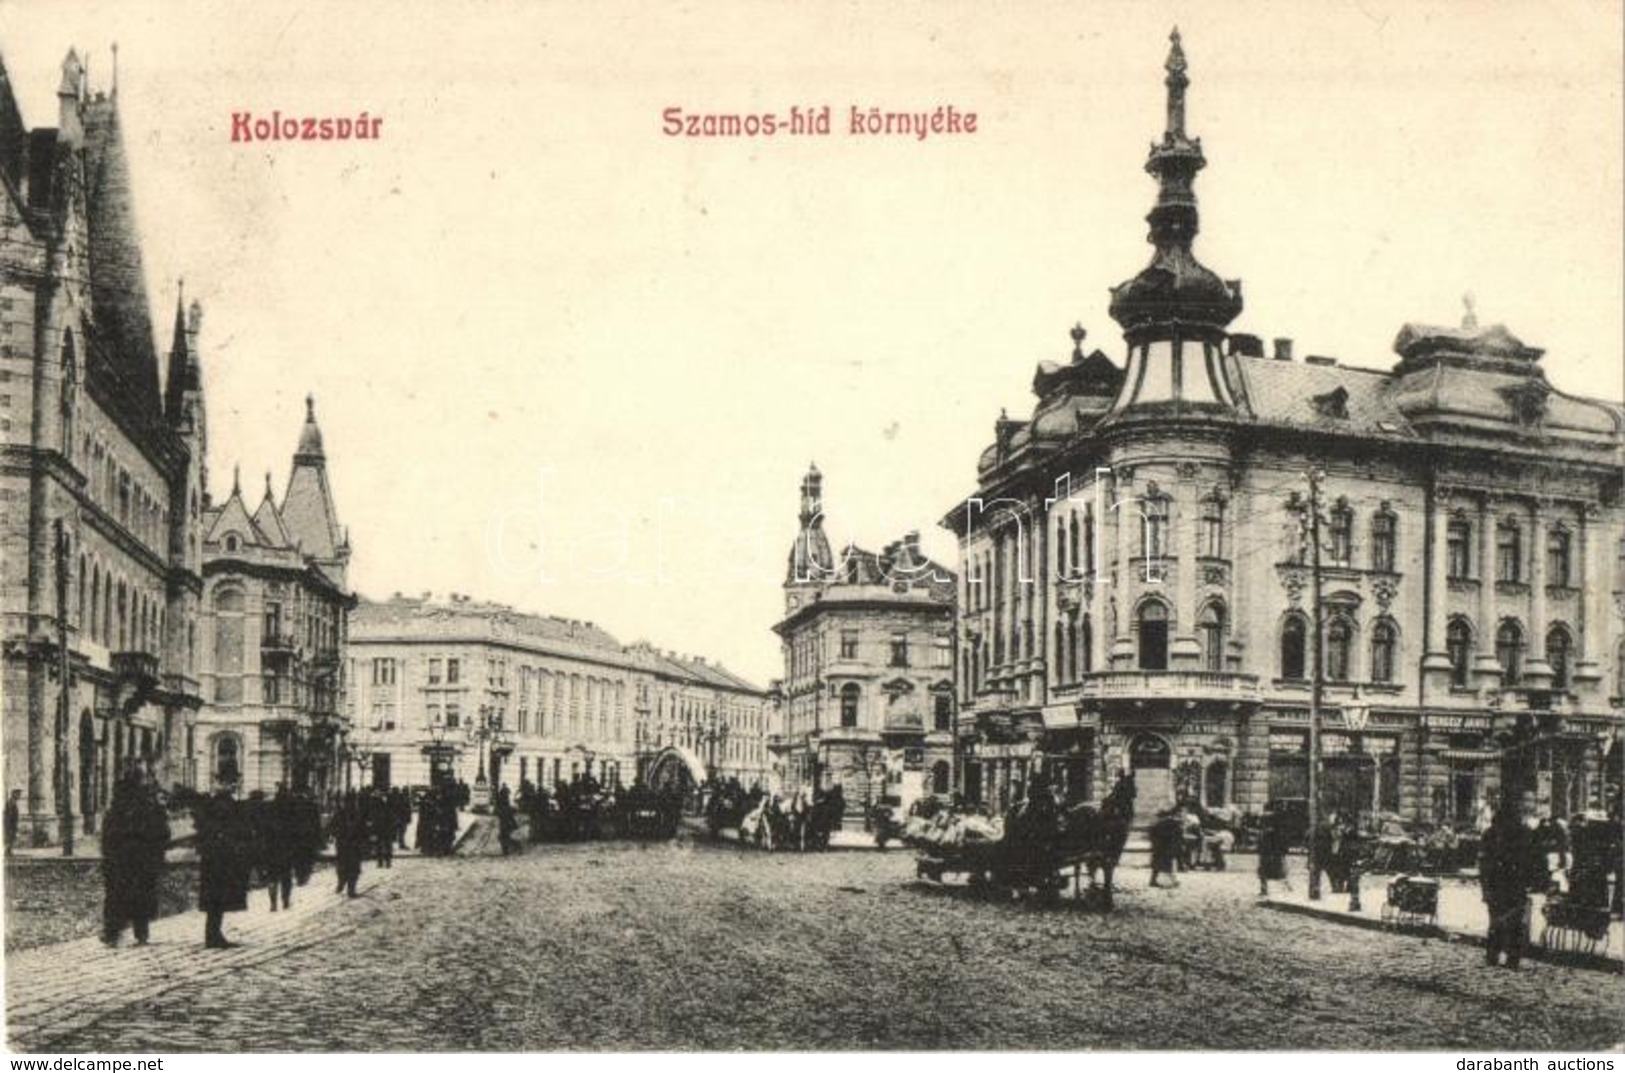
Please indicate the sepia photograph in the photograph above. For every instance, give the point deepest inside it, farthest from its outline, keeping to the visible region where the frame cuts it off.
(535, 527)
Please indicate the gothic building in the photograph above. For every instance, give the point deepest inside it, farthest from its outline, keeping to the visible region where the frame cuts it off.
(1135, 588)
(489, 695)
(275, 611)
(867, 698)
(102, 474)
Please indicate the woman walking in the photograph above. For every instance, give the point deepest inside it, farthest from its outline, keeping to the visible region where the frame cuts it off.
(134, 837)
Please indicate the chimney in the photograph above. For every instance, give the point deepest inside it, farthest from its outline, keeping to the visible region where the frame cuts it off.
(1246, 346)
(1283, 350)
(1320, 359)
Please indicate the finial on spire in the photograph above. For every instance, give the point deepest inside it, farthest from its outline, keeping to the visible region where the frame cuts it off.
(114, 89)
(236, 479)
(267, 484)
(1176, 83)
(310, 407)
(1078, 335)
(1469, 318)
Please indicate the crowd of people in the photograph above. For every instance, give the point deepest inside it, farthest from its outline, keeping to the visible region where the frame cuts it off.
(255, 841)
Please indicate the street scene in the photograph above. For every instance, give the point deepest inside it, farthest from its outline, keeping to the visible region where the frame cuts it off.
(576, 532)
(636, 945)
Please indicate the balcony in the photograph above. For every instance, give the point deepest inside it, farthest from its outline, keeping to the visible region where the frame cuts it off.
(137, 668)
(278, 642)
(1221, 686)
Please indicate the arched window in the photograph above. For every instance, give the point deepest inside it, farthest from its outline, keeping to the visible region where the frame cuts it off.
(1085, 653)
(1458, 643)
(1061, 668)
(1509, 651)
(1384, 540)
(1074, 558)
(1339, 649)
(850, 694)
(1559, 647)
(1210, 627)
(1508, 551)
(1558, 562)
(1089, 539)
(1061, 562)
(1153, 636)
(942, 711)
(96, 603)
(1384, 645)
(1294, 633)
(1458, 548)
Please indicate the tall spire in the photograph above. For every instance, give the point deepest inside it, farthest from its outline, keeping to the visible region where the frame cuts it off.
(310, 437)
(1176, 310)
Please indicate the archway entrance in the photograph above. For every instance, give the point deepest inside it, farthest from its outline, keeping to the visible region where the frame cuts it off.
(676, 768)
(1149, 757)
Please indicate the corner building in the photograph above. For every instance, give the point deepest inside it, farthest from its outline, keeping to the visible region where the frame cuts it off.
(275, 614)
(867, 698)
(1134, 589)
(101, 475)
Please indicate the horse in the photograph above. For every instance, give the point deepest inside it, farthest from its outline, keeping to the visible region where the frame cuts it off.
(755, 827)
(1100, 834)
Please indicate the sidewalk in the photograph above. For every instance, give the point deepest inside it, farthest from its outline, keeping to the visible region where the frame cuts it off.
(1462, 917)
(88, 847)
(51, 991)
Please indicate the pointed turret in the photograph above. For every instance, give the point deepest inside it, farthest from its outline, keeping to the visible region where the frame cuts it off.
(1175, 311)
(307, 509)
(810, 558)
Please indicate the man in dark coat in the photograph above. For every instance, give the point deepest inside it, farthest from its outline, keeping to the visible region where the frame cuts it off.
(279, 846)
(225, 847)
(1510, 866)
(507, 822)
(134, 836)
(1167, 836)
(349, 829)
(1272, 849)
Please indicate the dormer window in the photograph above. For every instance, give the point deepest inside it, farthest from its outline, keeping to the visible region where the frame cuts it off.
(1334, 403)
(232, 542)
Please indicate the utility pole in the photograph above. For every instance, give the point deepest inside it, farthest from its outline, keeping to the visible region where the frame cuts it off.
(1317, 680)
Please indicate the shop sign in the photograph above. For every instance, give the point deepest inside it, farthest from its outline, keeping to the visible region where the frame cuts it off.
(1289, 741)
(1456, 722)
(1013, 751)
(913, 759)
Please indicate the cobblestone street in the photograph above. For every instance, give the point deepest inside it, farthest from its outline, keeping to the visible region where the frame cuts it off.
(689, 945)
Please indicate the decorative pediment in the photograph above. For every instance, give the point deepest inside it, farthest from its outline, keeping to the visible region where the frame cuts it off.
(897, 687)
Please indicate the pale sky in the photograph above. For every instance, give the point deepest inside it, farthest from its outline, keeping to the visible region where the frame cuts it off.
(524, 311)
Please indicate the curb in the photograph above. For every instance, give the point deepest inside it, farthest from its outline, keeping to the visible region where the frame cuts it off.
(1532, 951)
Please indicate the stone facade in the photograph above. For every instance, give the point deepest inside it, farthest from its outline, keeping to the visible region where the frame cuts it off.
(867, 698)
(275, 613)
(102, 480)
(462, 688)
(1137, 593)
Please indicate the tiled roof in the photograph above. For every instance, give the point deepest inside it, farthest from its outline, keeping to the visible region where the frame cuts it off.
(1286, 393)
(117, 280)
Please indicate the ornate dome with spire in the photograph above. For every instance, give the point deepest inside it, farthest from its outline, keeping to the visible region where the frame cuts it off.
(1175, 289)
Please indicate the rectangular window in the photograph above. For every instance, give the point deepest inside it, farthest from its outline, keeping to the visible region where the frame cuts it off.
(1342, 536)
(942, 654)
(849, 644)
(1508, 554)
(1557, 559)
(899, 650)
(1458, 540)
(273, 689)
(1383, 550)
(454, 670)
(453, 716)
(432, 712)
(434, 672)
(383, 672)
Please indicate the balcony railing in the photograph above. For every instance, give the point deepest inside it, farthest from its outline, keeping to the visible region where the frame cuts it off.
(278, 642)
(1171, 685)
(136, 666)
